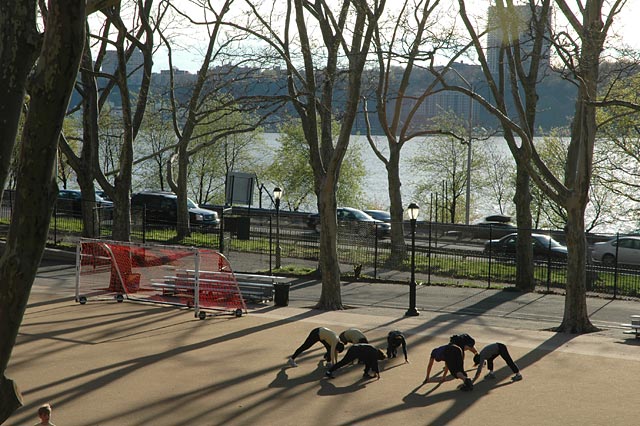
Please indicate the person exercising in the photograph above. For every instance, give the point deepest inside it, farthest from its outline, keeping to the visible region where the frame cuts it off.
(395, 339)
(328, 338)
(465, 342)
(365, 354)
(452, 357)
(488, 354)
(353, 335)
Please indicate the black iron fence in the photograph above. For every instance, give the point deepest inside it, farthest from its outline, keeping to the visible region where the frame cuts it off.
(443, 252)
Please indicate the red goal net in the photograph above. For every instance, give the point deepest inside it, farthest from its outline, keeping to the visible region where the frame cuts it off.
(185, 276)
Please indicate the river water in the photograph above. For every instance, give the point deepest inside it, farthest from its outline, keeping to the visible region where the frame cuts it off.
(375, 185)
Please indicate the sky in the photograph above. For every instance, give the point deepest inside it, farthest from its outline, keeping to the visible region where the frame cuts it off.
(626, 25)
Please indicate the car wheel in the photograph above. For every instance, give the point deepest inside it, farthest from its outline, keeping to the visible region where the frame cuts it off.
(609, 259)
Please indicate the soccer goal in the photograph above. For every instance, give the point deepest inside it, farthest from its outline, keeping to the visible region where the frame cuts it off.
(197, 278)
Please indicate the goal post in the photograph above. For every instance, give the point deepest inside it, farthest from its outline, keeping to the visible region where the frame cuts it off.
(184, 276)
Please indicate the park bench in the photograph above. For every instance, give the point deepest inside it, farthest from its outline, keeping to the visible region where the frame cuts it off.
(253, 287)
(257, 288)
(633, 327)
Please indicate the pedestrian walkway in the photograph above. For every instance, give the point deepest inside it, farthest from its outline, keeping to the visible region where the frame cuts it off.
(108, 363)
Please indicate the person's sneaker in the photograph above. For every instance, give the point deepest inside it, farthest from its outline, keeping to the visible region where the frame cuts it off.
(292, 362)
(490, 375)
(329, 365)
(328, 375)
(517, 377)
(467, 386)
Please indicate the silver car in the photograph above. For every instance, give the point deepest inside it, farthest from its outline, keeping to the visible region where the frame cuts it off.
(624, 250)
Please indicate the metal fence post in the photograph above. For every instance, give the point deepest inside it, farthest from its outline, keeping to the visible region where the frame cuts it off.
(615, 275)
(144, 224)
(490, 253)
(549, 264)
(375, 253)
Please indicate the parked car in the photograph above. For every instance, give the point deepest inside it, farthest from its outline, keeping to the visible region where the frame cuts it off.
(103, 195)
(627, 253)
(161, 208)
(355, 221)
(379, 214)
(69, 202)
(543, 246)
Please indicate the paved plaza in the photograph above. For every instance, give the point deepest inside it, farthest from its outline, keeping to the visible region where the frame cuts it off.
(108, 363)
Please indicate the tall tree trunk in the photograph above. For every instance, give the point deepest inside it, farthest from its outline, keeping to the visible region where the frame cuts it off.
(183, 229)
(19, 43)
(396, 209)
(50, 90)
(576, 315)
(522, 199)
(330, 296)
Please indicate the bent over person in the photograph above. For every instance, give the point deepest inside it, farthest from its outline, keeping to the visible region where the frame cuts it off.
(365, 354)
(491, 352)
(465, 342)
(353, 335)
(395, 339)
(328, 338)
(452, 357)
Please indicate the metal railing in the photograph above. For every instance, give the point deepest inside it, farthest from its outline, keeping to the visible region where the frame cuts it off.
(445, 253)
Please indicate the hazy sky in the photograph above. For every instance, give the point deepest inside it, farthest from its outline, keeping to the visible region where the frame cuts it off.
(626, 25)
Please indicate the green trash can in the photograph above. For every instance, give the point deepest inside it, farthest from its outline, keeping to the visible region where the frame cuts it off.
(281, 294)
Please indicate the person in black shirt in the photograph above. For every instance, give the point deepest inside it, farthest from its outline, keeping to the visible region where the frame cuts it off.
(465, 342)
(395, 339)
(366, 354)
(452, 357)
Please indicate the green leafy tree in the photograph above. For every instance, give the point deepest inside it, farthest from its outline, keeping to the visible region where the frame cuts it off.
(156, 138)
(496, 180)
(209, 167)
(291, 170)
(442, 166)
(617, 153)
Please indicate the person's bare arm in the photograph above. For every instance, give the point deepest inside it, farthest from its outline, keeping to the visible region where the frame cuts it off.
(444, 374)
(478, 372)
(426, 379)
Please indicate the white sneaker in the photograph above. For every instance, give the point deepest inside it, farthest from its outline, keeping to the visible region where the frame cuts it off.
(292, 362)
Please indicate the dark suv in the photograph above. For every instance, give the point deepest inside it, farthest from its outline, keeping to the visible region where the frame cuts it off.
(161, 208)
(69, 203)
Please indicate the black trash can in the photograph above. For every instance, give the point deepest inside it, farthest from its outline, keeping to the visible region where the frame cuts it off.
(281, 294)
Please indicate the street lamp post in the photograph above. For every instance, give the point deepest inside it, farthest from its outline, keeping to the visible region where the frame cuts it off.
(277, 195)
(413, 211)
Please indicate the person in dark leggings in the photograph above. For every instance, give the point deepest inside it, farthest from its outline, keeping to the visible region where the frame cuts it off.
(328, 338)
(452, 357)
(491, 352)
(395, 339)
(365, 354)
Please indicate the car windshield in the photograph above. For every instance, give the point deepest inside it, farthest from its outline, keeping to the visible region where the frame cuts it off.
(547, 241)
(191, 204)
(360, 215)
